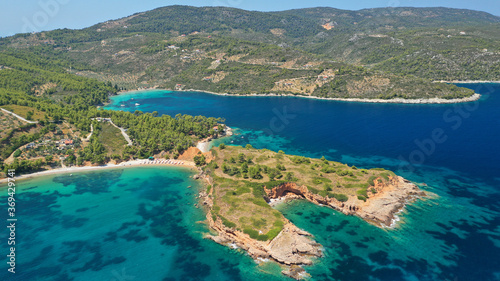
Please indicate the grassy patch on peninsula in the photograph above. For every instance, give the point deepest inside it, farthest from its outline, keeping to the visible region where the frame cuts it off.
(241, 174)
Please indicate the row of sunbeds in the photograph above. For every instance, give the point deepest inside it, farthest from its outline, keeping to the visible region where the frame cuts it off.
(164, 162)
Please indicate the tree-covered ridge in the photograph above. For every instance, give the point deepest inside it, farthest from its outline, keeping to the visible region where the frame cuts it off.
(432, 43)
(298, 24)
(229, 65)
(67, 111)
(225, 50)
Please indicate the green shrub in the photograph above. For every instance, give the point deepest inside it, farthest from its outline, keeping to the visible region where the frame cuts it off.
(262, 237)
(362, 192)
(327, 169)
(371, 180)
(317, 181)
(241, 158)
(300, 160)
(323, 193)
(271, 234)
(320, 180)
(257, 189)
(227, 223)
(341, 197)
(357, 185)
(280, 167)
(354, 179)
(361, 197)
(17, 153)
(272, 184)
(254, 234)
(313, 190)
(342, 173)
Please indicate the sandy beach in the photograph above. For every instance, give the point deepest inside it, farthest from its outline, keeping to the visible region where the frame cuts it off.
(131, 163)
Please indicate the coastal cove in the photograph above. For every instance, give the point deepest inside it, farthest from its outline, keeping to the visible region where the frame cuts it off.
(294, 123)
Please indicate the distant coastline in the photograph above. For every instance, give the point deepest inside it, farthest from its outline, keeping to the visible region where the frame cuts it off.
(472, 98)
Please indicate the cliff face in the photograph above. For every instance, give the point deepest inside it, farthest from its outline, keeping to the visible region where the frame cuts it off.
(379, 209)
(291, 247)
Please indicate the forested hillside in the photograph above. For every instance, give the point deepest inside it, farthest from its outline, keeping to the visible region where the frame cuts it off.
(326, 52)
(63, 105)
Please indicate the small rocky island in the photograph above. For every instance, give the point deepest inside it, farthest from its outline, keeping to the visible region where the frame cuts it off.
(243, 185)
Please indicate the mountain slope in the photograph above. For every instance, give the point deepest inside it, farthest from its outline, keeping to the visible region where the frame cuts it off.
(326, 52)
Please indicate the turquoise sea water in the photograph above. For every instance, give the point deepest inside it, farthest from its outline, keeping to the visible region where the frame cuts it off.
(454, 235)
(119, 224)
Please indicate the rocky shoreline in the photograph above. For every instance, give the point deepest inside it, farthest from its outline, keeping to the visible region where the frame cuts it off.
(294, 247)
(380, 209)
(204, 145)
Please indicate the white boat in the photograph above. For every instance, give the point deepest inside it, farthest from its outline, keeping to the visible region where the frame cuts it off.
(122, 105)
(136, 104)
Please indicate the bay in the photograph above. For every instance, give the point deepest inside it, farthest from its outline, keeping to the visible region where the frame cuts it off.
(141, 223)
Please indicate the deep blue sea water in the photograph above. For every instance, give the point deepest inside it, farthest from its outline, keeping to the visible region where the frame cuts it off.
(453, 149)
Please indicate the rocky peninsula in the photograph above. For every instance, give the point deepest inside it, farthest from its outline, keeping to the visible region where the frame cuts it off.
(242, 185)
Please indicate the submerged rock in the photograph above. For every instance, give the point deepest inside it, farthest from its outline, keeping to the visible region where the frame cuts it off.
(295, 272)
